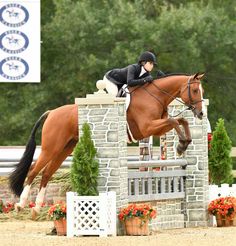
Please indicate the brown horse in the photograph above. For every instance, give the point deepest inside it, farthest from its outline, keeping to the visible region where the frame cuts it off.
(147, 115)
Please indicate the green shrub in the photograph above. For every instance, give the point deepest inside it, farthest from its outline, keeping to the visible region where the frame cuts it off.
(84, 169)
(220, 162)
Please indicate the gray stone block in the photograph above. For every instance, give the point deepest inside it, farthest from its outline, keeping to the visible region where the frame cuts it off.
(197, 215)
(113, 184)
(95, 119)
(190, 191)
(121, 110)
(115, 172)
(112, 136)
(116, 189)
(201, 165)
(113, 126)
(189, 183)
(98, 111)
(114, 163)
(107, 152)
(192, 198)
(199, 183)
(123, 163)
(102, 181)
(191, 160)
(195, 205)
(100, 127)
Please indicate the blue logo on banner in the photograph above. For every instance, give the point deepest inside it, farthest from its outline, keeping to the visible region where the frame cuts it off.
(13, 42)
(13, 68)
(13, 15)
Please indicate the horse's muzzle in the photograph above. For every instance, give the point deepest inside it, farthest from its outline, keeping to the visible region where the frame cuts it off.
(198, 114)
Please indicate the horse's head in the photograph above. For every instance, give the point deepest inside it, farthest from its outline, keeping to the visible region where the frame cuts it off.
(192, 94)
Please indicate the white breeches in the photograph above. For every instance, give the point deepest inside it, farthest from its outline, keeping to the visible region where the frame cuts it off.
(110, 87)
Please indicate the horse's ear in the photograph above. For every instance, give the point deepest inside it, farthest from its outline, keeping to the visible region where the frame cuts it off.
(198, 76)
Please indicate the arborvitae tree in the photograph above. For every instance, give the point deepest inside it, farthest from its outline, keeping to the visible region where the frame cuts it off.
(220, 162)
(84, 169)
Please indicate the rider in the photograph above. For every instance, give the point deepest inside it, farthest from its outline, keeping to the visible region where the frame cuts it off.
(132, 75)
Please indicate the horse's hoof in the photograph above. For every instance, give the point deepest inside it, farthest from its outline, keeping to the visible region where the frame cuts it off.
(179, 150)
(34, 213)
(18, 208)
(179, 154)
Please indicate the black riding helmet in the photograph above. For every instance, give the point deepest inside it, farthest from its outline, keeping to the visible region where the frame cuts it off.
(147, 56)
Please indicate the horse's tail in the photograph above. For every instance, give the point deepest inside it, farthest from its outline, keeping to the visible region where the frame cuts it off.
(18, 176)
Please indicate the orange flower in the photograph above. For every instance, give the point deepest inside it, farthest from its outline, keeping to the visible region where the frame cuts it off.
(225, 206)
(143, 211)
(57, 211)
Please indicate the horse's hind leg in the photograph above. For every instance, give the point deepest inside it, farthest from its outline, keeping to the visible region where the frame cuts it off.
(42, 161)
(49, 170)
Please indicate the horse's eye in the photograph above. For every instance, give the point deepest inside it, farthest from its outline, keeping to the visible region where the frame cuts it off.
(195, 91)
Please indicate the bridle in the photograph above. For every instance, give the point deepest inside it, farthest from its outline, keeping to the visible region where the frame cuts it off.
(190, 105)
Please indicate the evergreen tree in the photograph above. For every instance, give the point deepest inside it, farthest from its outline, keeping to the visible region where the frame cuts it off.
(220, 162)
(84, 169)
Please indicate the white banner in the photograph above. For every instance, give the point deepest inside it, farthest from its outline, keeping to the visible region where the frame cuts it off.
(20, 41)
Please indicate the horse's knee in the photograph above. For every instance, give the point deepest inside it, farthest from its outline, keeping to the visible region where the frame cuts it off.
(173, 122)
(183, 122)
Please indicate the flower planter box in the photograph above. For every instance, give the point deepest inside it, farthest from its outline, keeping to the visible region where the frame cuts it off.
(91, 215)
(60, 226)
(223, 221)
(135, 227)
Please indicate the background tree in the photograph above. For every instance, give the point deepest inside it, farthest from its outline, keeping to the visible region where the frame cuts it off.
(84, 169)
(220, 162)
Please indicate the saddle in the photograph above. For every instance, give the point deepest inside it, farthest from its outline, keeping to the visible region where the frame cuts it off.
(123, 91)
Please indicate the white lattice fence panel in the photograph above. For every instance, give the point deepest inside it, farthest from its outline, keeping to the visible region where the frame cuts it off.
(111, 211)
(91, 215)
(216, 191)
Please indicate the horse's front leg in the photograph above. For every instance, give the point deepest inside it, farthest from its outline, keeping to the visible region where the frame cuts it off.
(161, 126)
(183, 122)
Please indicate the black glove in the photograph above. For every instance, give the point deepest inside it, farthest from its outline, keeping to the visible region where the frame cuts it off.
(160, 74)
(142, 81)
(149, 78)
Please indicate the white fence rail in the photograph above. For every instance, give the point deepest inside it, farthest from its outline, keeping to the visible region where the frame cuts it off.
(9, 157)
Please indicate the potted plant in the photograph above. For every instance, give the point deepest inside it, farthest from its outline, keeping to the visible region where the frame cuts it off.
(136, 218)
(57, 213)
(223, 209)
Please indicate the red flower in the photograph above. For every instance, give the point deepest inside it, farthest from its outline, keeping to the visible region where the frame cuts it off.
(31, 204)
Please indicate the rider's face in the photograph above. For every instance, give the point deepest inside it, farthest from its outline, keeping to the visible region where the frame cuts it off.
(149, 66)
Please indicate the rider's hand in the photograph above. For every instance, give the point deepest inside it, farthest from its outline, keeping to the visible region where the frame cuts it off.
(149, 78)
